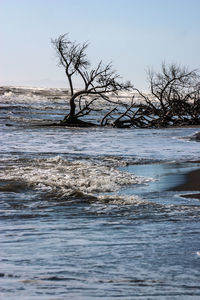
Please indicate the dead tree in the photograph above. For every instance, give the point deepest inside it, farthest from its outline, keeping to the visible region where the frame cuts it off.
(174, 96)
(174, 100)
(97, 82)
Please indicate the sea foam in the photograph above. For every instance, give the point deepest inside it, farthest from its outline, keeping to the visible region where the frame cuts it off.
(66, 178)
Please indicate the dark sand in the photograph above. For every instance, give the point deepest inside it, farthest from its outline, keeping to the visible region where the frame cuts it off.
(192, 183)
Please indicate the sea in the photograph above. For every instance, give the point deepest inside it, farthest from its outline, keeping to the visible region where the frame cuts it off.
(89, 213)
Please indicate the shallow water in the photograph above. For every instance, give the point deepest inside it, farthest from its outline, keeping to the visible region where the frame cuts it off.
(87, 213)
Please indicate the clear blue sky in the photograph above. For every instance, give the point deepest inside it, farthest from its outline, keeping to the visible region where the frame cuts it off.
(133, 34)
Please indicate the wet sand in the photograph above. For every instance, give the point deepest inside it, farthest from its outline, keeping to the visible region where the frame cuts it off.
(192, 183)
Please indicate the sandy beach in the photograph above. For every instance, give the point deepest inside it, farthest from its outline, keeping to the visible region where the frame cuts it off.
(192, 183)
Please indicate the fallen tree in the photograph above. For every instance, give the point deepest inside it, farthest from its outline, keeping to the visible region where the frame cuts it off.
(174, 100)
(175, 93)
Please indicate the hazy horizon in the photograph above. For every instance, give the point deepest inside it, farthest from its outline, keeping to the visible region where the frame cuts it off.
(134, 35)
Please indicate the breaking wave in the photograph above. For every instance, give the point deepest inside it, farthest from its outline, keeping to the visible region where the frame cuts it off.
(31, 94)
(64, 178)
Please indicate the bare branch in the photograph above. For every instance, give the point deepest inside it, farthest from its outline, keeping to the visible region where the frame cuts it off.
(106, 116)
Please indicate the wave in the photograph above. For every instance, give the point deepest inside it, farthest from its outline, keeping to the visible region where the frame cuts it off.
(33, 90)
(63, 178)
(33, 94)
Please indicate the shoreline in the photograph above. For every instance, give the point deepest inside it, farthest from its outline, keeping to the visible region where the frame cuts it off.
(191, 184)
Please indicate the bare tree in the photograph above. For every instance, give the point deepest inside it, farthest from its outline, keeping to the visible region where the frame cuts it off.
(173, 82)
(174, 96)
(97, 82)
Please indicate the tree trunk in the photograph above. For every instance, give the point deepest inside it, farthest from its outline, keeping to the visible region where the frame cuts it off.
(72, 107)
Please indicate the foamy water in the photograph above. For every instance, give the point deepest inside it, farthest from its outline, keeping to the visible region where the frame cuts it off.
(87, 213)
(64, 178)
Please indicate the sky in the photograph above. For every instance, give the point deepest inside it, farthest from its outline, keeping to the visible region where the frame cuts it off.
(132, 34)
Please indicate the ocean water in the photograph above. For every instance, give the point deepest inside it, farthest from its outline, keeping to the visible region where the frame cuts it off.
(88, 213)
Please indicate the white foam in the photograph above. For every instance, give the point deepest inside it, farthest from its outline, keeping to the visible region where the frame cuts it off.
(67, 178)
(33, 94)
(121, 199)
